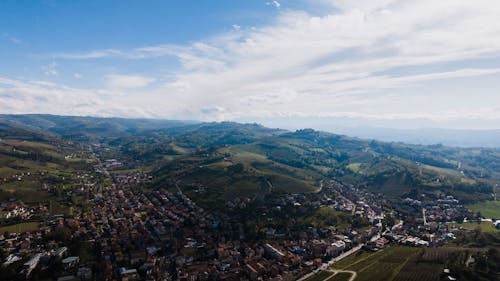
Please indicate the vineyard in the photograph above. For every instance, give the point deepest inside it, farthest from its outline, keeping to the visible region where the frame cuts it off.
(381, 265)
(341, 276)
(398, 263)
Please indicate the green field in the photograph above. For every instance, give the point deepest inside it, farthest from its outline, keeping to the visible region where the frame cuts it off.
(341, 276)
(20, 227)
(488, 209)
(320, 276)
(381, 265)
(484, 226)
(387, 264)
(399, 263)
(355, 167)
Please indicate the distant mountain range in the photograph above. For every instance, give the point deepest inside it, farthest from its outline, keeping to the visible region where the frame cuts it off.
(450, 137)
(418, 131)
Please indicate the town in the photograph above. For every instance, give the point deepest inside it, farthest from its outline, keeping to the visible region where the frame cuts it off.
(132, 233)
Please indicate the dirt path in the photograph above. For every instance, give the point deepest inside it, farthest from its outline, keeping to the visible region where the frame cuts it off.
(336, 271)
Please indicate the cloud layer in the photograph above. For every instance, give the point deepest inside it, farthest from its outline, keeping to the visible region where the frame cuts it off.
(368, 59)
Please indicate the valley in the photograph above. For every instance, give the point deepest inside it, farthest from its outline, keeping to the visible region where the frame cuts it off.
(161, 200)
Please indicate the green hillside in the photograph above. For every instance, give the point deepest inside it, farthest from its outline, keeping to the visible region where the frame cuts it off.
(233, 159)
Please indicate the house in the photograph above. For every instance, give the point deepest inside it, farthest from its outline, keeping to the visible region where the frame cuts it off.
(84, 273)
(273, 252)
(12, 258)
(70, 262)
(381, 242)
(31, 264)
(335, 248)
(128, 274)
(61, 252)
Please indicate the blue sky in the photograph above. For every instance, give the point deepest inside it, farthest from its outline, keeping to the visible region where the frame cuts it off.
(412, 63)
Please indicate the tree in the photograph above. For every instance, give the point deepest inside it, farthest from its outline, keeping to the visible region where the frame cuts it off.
(61, 234)
(389, 221)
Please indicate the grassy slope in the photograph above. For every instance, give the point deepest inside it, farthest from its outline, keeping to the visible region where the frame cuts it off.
(488, 209)
(30, 160)
(483, 226)
(290, 161)
(256, 176)
(296, 162)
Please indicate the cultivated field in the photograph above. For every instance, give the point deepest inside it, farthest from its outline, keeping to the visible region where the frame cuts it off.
(488, 209)
(397, 263)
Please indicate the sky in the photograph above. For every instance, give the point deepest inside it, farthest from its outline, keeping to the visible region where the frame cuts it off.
(387, 63)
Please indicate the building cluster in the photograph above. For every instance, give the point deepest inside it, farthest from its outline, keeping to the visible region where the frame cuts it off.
(132, 233)
(436, 210)
(14, 209)
(356, 201)
(157, 235)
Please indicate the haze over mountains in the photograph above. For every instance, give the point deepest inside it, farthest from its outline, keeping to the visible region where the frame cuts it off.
(417, 131)
(343, 126)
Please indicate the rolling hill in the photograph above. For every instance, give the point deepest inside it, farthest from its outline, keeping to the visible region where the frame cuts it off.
(249, 160)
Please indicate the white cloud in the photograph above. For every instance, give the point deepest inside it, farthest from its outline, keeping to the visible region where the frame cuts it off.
(138, 53)
(12, 39)
(274, 3)
(312, 64)
(50, 69)
(19, 97)
(367, 58)
(89, 55)
(127, 81)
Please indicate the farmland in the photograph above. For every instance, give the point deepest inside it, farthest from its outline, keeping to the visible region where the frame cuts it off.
(483, 226)
(381, 265)
(320, 276)
(341, 276)
(488, 209)
(398, 263)
(20, 227)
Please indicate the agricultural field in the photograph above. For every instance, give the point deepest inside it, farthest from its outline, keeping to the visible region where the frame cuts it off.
(394, 263)
(20, 227)
(341, 276)
(483, 226)
(381, 265)
(320, 276)
(399, 263)
(488, 209)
